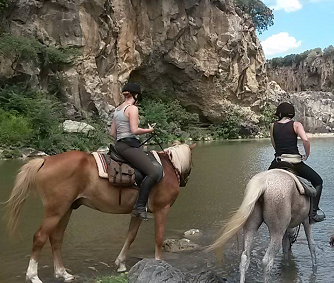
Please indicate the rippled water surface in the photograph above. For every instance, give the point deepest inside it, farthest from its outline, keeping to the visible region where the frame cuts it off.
(220, 173)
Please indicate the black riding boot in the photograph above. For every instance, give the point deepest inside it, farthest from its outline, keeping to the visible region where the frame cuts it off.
(315, 216)
(140, 209)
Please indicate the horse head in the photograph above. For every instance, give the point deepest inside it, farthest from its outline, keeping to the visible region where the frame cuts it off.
(180, 156)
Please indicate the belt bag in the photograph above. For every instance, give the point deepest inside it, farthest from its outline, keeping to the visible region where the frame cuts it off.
(290, 158)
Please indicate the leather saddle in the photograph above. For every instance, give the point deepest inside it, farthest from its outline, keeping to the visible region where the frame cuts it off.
(139, 177)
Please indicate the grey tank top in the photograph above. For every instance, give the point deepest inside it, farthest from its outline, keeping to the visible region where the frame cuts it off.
(122, 124)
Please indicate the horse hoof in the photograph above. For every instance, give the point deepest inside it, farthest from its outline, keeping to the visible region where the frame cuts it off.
(33, 279)
(70, 279)
(122, 268)
(314, 268)
(66, 276)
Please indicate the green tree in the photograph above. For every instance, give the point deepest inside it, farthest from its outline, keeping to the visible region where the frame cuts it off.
(329, 51)
(15, 129)
(172, 120)
(21, 48)
(261, 15)
(3, 5)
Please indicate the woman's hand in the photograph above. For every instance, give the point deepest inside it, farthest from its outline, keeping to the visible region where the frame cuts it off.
(304, 157)
(151, 127)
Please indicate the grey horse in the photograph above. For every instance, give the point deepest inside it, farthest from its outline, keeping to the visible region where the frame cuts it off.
(270, 197)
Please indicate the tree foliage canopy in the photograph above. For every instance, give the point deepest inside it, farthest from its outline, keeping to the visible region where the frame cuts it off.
(3, 5)
(23, 48)
(308, 55)
(261, 15)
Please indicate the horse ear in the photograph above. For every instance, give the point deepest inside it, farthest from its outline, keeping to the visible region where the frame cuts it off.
(192, 146)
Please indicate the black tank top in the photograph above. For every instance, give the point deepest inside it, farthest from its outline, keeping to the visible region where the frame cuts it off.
(285, 138)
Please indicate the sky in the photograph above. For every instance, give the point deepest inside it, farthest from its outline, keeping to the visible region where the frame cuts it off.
(299, 25)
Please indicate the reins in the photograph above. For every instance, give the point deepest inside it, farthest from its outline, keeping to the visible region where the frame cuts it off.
(181, 179)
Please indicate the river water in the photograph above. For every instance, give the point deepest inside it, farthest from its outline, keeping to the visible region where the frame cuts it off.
(215, 188)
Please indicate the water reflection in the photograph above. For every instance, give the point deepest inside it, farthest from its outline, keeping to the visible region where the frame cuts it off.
(215, 188)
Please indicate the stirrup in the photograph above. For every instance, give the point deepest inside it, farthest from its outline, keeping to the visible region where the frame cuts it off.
(318, 217)
(142, 214)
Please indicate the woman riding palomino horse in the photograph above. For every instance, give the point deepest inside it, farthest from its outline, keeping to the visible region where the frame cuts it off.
(124, 130)
(284, 135)
(68, 180)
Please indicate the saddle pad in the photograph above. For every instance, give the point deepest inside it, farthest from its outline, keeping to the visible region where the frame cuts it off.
(309, 191)
(102, 165)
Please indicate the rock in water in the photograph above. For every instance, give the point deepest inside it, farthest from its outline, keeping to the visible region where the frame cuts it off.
(173, 245)
(159, 271)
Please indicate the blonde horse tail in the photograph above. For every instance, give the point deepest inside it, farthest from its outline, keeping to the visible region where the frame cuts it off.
(255, 188)
(24, 183)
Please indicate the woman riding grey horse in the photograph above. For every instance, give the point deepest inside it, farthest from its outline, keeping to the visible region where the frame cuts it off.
(284, 135)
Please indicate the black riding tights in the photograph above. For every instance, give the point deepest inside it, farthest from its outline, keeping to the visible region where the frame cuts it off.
(301, 170)
(138, 159)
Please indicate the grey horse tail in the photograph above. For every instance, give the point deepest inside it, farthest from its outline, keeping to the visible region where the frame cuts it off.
(255, 188)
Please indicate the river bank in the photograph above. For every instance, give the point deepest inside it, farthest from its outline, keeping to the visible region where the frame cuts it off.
(28, 152)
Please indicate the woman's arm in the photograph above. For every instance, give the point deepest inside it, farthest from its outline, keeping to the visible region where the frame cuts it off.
(272, 136)
(132, 111)
(113, 129)
(299, 130)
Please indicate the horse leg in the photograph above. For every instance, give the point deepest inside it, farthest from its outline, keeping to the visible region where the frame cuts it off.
(310, 241)
(251, 226)
(56, 240)
(286, 243)
(131, 235)
(160, 218)
(48, 225)
(268, 259)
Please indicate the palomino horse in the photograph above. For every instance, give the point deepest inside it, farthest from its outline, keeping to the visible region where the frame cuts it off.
(68, 180)
(270, 197)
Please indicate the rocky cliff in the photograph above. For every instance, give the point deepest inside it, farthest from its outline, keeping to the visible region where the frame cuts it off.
(307, 81)
(315, 109)
(314, 73)
(203, 52)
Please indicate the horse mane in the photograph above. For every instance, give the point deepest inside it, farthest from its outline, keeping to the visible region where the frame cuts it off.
(180, 157)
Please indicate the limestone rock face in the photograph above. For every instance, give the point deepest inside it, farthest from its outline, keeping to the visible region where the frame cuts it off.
(316, 73)
(201, 51)
(315, 109)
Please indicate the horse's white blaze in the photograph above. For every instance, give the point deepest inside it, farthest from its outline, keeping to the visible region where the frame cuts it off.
(31, 274)
(180, 156)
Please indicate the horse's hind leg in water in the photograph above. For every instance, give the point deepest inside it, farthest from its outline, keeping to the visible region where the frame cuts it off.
(49, 224)
(251, 226)
(56, 240)
(277, 216)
